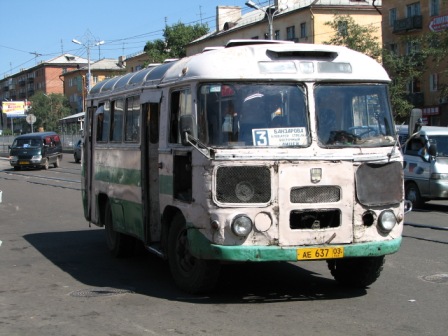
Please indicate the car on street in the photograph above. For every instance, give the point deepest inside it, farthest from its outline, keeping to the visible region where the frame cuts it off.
(36, 150)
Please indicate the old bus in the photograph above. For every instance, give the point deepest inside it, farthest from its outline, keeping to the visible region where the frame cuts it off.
(257, 151)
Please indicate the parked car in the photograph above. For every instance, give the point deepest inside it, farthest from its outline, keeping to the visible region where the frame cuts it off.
(36, 150)
(77, 151)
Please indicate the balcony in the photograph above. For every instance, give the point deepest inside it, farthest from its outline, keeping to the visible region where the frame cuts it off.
(410, 23)
(417, 99)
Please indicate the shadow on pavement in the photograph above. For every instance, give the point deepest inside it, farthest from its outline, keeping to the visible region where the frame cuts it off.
(83, 255)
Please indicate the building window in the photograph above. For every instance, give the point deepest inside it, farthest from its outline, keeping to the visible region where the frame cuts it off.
(392, 16)
(412, 47)
(290, 33)
(342, 28)
(393, 47)
(413, 9)
(277, 35)
(303, 30)
(433, 80)
(434, 7)
(414, 86)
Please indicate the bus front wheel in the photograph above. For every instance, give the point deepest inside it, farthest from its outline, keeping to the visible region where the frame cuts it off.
(119, 244)
(356, 272)
(190, 274)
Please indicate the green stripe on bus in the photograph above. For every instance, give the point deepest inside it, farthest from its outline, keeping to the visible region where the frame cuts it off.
(201, 247)
(118, 175)
(166, 184)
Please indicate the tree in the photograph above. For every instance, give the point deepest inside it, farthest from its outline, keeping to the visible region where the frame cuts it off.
(423, 50)
(48, 109)
(354, 36)
(175, 39)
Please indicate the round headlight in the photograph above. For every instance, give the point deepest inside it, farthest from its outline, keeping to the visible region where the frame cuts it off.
(241, 225)
(387, 221)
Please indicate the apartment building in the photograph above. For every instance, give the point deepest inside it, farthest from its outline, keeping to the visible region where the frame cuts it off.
(301, 21)
(45, 76)
(403, 18)
(75, 85)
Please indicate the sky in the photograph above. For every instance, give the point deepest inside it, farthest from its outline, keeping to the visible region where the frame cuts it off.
(39, 30)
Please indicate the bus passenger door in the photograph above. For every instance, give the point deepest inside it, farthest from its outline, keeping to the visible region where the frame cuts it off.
(87, 161)
(150, 172)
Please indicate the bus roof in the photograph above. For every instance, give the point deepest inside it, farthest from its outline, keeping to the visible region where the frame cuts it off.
(256, 61)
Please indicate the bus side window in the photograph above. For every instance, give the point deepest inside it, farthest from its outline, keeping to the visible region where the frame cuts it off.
(181, 104)
(102, 124)
(153, 123)
(132, 126)
(116, 126)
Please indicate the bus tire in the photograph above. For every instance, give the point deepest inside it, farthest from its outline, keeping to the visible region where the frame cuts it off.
(412, 194)
(119, 244)
(190, 274)
(356, 272)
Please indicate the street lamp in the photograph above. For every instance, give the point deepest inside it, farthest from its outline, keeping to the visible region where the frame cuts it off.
(88, 46)
(270, 14)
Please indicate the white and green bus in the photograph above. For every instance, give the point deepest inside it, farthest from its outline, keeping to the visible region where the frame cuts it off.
(256, 151)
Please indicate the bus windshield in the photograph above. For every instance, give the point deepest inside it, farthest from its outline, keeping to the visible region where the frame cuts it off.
(353, 115)
(249, 114)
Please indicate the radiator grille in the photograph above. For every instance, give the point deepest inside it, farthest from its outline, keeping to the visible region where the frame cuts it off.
(243, 184)
(323, 194)
(314, 219)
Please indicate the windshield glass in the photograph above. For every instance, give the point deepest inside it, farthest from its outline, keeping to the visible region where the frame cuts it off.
(25, 143)
(353, 115)
(441, 141)
(249, 114)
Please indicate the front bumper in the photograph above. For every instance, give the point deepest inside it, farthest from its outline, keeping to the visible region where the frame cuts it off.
(201, 248)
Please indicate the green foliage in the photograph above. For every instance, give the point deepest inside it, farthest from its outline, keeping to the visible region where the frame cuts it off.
(48, 109)
(175, 39)
(425, 50)
(354, 36)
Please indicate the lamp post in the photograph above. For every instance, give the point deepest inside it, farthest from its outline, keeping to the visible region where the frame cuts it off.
(88, 46)
(270, 14)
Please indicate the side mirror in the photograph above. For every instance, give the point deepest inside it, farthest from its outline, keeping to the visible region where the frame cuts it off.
(186, 127)
(432, 150)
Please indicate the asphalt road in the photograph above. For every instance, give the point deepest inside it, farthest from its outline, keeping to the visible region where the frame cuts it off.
(57, 278)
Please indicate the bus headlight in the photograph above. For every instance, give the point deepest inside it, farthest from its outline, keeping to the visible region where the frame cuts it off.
(387, 221)
(241, 225)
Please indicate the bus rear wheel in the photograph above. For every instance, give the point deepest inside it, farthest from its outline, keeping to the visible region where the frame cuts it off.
(119, 244)
(190, 274)
(356, 272)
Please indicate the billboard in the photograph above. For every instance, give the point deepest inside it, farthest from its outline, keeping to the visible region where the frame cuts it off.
(14, 109)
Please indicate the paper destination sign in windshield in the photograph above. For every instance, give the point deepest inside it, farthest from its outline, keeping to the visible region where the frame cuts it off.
(285, 136)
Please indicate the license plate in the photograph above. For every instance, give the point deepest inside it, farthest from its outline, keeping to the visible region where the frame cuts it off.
(314, 253)
(24, 162)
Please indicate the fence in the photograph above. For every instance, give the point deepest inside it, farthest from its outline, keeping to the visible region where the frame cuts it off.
(68, 142)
